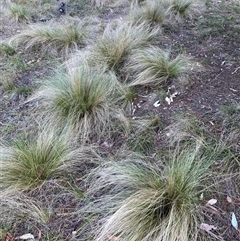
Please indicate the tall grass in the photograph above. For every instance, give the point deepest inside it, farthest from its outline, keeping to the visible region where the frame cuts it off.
(154, 12)
(153, 65)
(28, 164)
(18, 12)
(83, 99)
(187, 8)
(113, 47)
(166, 11)
(144, 201)
(53, 37)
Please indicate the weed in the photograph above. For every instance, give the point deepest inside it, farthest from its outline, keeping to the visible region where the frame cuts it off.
(55, 37)
(28, 164)
(23, 90)
(18, 12)
(155, 66)
(127, 98)
(6, 49)
(7, 85)
(142, 139)
(118, 39)
(152, 12)
(231, 116)
(187, 8)
(185, 131)
(82, 99)
(163, 203)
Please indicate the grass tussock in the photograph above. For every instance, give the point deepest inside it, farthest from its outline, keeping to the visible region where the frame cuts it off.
(154, 12)
(82, 99)
(161, 203)
(187, 8)
(166, 11)
(155, 66)
(18, 12)
(142, 137)
(16, 205)
(116, 43)
(29, 164)
(52, 37)
(6, 49)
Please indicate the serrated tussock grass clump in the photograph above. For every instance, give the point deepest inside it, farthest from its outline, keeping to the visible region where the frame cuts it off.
(142, 137)
(166, 11)
(15, 205)
(186, 130)
(28, 164)
(52, 37)
(155, 66)
(154, 12)
(82, 98)
(6, 49)
(146, 201)
(187, 8)
(117, 41)
(18, 12)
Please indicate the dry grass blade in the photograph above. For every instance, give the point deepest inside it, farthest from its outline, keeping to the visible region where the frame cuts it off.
(187, 8)
(54, 37)
(82, 99)
(28, 164)
(155, 66)
(152, 12)
(116, 42)
(160, 203)
(18, 12)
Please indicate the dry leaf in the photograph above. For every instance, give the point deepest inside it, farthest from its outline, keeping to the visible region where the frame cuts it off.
(9, 237)
(234, 221)
(207, 227)
(229, 199)
(157, 103)
(212, 201)
(169, 100)
(27, 236)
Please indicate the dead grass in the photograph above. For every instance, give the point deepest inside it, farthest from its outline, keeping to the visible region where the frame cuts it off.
(113, 47)
(52, 37)
(83, 99)
(155, 66)
(162, 202)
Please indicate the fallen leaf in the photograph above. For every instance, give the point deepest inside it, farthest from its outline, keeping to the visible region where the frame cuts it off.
(212, 201)
(213, 209)
(207, 227)
(27, 236)
(9, 237)
(234, 221)
(157, 103)
(169, 100)
(229, 199)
